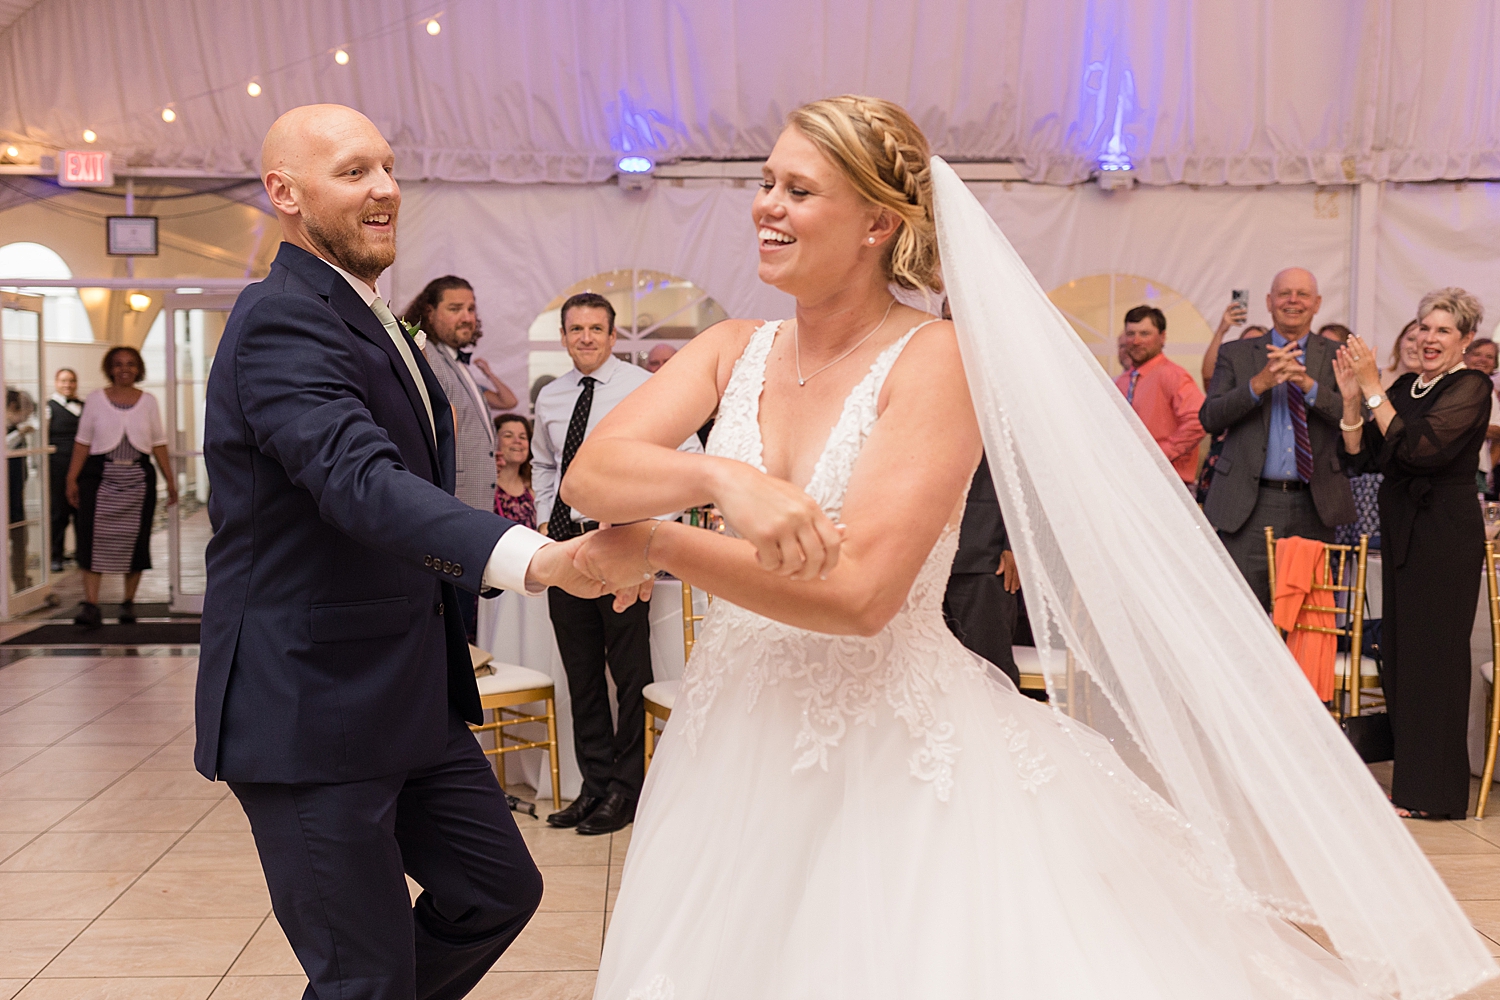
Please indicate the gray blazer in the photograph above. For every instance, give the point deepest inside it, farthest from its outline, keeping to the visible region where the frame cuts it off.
(1229, 406)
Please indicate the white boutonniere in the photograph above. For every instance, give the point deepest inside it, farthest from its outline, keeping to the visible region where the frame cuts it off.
(415, 333)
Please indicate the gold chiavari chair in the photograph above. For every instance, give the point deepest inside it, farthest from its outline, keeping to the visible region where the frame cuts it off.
(503, 687)
(1492, 731)
(1339, 563)
(660, 695)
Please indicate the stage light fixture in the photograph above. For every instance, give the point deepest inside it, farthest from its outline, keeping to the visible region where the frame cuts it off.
(89, 135)
(253, 89)
(138, 301)
(635, 165)
(168, 115)
(433, 27)
(341, 57)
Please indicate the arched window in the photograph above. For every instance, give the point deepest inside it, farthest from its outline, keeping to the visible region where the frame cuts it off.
(652, 308)
(64, 318)
(1096, 306)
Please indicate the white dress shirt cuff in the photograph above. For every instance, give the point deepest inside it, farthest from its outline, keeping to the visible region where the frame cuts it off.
(511, 558)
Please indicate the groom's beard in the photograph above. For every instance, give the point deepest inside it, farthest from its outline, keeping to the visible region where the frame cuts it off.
(351, 247)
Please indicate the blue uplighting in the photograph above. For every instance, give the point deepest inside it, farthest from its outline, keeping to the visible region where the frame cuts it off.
(635, 165)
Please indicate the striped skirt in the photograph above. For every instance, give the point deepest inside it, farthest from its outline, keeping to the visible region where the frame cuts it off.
(117, 502)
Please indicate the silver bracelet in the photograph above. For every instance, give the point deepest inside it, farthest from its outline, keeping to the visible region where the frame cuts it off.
(646, 553)
(1349, 430)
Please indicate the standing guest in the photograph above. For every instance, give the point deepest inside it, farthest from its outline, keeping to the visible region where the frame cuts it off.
(63, 410)
(1424, 436)
(1482, 355)
(514, 499)
(1336, 332)
(658, 356)
(1405, 355)
(111, 482)
(1234, 314)
(334, 682)
(1122, 353)
(980, 602)
(591, 634)
(1276, 398)
(1161, 392)
(447, 312)
(19, 409)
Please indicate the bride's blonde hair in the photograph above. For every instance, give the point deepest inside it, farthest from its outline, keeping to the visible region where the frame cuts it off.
(883, 153)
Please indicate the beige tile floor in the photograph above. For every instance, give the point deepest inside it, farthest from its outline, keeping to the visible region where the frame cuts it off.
(123, 874)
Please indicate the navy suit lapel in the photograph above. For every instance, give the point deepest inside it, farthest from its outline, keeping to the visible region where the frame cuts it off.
(358, 316)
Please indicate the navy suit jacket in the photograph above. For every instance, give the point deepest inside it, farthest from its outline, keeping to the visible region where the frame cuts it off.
(332, 645)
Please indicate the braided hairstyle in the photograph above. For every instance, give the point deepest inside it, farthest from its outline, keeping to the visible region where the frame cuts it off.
(885, 156)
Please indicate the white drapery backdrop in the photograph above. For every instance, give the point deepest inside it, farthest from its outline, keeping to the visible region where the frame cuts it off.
(1271, 91)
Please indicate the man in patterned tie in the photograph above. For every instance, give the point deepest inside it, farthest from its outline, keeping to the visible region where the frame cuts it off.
(1277, 398)
(591, 635)
(1161, 392)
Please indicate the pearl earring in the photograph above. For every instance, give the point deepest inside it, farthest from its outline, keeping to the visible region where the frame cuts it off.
(870, 240)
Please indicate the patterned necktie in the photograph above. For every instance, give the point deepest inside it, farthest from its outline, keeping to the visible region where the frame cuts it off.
(560, 525)
(1296, 405)
(1135, 376)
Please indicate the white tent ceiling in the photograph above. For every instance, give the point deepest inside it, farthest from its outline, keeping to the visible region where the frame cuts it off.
(1263, 91)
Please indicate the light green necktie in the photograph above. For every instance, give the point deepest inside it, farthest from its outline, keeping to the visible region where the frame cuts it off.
(383, 313)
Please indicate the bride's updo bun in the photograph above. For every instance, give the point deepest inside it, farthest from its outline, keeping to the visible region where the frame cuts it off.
(883, 153)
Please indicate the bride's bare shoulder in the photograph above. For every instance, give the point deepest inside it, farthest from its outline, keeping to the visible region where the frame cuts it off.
(930, 358)
(727, 340)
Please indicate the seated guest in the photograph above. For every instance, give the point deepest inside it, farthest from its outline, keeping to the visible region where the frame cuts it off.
(1424, 436)
(513, 497)
(1336, 332)
(1161, 392)
(658, 356)
(1276, 398)
(980, 602)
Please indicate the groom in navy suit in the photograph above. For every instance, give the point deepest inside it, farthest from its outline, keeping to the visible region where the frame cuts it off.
(334, 681)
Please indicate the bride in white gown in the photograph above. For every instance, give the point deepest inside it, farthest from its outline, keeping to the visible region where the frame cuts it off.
(846, 803)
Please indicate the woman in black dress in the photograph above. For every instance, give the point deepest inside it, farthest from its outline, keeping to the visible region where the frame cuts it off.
(1425, 436)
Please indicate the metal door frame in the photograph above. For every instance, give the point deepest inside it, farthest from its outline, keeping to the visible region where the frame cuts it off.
(173, 302)
(33, 597)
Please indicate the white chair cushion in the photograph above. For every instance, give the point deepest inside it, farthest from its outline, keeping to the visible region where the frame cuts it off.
(508, 677)
(1367, 666)
(662, 693)
(1487, 669)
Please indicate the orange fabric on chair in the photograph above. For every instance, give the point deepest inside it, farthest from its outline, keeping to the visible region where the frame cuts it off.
(1299, 564)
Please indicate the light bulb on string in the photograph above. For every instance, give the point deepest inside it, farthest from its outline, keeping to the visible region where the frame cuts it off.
(89, 135)
(341, 57)
(168, 115)
(252, 88)
(433, 27)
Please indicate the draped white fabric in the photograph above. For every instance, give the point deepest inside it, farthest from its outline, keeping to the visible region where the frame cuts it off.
(1270, 91)
(1430, 236)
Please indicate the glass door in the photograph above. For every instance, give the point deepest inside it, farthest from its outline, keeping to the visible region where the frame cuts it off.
(195, 323)
(24, 549)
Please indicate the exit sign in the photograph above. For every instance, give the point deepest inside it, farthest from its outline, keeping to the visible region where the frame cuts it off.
(85, 168)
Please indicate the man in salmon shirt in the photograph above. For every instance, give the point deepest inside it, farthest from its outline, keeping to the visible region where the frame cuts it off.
(1161, 392)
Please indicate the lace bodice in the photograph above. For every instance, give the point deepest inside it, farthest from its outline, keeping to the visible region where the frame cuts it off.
(839, 680)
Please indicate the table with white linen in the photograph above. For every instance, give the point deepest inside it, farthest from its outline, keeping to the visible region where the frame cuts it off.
(517, 629)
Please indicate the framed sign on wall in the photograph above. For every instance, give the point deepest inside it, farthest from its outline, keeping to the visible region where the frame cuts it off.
(131, 235)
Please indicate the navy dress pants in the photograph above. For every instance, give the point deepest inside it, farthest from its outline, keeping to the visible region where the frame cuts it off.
(336, 856)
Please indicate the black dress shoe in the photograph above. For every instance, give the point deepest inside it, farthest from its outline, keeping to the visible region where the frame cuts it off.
(127, 613)
(616, 813)
(576, 813)
(88, 614)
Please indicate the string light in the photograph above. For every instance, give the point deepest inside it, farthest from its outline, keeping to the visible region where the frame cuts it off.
(253, 89)
(341, 57)
(12, 152)
(432, 26)
(88, 135)
(168, 115)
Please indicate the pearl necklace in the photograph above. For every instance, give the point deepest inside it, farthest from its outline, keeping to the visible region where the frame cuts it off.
(797, 347)
(1426, 388)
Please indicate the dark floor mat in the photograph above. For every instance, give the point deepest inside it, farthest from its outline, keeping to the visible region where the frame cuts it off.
(139, 634)
(152, 610)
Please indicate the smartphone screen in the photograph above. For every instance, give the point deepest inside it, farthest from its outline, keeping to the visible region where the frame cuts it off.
(1241, 298)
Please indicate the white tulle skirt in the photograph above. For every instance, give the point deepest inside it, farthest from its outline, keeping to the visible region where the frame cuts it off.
(1040, 872)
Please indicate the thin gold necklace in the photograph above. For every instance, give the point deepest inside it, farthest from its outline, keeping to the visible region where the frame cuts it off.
(797, 347)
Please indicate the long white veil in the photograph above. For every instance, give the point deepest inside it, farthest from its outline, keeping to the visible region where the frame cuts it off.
(1148, 634)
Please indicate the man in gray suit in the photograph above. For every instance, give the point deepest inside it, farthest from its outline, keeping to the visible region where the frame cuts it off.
(447, 313)
(1277, 398)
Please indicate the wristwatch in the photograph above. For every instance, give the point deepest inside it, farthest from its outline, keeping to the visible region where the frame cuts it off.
(1374, 400)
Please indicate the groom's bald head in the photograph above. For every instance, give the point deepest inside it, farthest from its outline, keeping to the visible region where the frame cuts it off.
(329, 174)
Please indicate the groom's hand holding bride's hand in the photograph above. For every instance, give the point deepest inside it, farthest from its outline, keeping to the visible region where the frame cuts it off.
(553, 566)
(615, 558)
